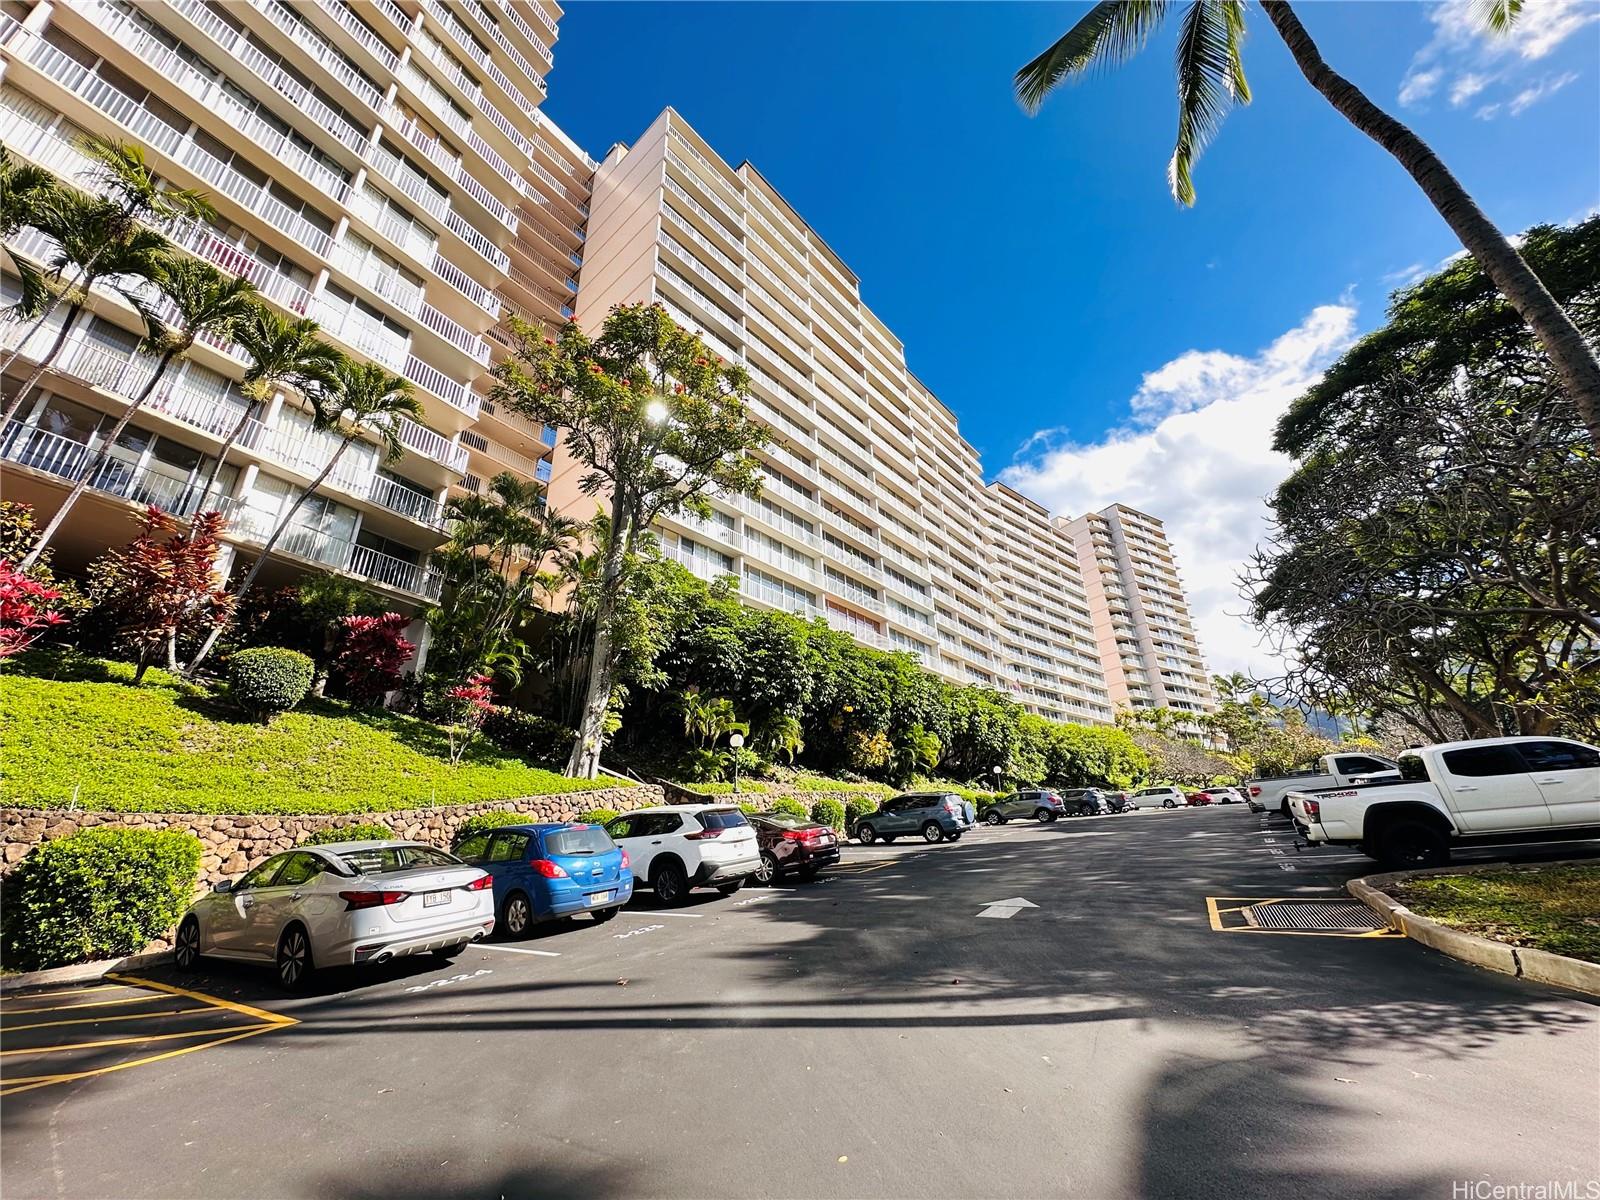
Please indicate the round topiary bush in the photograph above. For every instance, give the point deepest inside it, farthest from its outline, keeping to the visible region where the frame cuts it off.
(268, 680)
(371, 831)
(857, 807)
(828, 811)
(101, 893)
(791, 806)
(598, 816)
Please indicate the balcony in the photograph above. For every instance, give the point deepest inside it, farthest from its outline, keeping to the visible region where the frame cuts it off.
(435, 446)
(313, 49)
(452, 391)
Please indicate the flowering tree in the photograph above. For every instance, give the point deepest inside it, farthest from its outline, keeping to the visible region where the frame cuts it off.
(471, 703)
(372, 653)
(161, 586)
(25, 610)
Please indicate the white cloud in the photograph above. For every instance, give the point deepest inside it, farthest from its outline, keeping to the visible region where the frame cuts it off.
(1466, 57)
(1405, 276)
(1199, 456)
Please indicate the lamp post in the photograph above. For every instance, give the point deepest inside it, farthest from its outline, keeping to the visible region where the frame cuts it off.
(736, 741)
(999, 773)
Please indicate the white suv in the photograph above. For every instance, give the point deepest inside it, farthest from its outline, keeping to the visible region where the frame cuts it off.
(1158, 797)
(682, 846)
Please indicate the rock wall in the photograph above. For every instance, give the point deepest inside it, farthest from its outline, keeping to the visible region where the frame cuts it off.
(235, 842)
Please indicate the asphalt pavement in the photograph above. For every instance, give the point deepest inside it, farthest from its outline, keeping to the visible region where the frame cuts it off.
(867, 1035)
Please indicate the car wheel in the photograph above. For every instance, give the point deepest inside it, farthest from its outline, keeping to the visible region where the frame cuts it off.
(449, 952)
(603, 915)
(993, 818)
(866, 834)
(186, 950)
(728, 889)
(1413, 844)
(669, 883)
(931, 832)
(1045, 815)
(517, 917)
(1169, 802)
(954, 837)
(767, 873)
(294, 958)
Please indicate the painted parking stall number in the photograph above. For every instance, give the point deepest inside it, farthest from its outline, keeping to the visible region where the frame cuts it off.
(463, 978)
(637, 932)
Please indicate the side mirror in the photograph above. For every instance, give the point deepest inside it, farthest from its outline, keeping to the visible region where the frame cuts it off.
(225, 885)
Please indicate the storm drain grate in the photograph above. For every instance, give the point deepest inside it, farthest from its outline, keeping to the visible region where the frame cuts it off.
(1313, 916)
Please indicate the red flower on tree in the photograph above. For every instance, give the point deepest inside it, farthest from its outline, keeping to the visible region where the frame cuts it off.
(472, 701)
(25, 612)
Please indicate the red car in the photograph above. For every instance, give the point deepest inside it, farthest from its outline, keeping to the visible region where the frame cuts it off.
(791, 844)
(1197, 798)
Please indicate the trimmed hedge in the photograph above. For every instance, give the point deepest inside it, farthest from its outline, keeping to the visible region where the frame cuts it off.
(828, 811)
(753, 786)
(101, 893)
(269, 680)
(483, 822)
(857, 807)
(598, 816)
(791, 806)
(370, 831)
(524, 733)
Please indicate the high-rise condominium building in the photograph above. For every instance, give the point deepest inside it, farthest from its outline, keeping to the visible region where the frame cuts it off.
(874, 514)
(1149, 655)
(381, 167)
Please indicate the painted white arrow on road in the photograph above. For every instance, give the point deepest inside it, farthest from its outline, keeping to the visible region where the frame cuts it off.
(1007, 908)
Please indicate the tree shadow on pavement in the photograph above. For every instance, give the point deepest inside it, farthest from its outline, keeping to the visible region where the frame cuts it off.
(446, 1174)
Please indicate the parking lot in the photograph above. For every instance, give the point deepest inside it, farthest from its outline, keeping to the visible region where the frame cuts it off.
(893, 1029)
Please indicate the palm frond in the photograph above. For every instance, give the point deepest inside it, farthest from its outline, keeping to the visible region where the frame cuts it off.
(37, 293)
(1498, 15)
(1110, 32)
(1210, 79)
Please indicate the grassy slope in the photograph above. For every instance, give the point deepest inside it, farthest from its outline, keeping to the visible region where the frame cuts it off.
(1548, 908)
(170, 747)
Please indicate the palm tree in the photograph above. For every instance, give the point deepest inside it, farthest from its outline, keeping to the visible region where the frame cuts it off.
(132, 195)
(357, 397)
(205, 302)
(783, 735)
(25, 193)
(1211, 78)
(90, 235)
(282, 351)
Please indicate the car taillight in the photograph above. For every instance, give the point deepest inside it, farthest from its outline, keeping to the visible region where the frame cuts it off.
(794, 835)
(481, 884)
(543, 866)
(1255, 791)
(625, 863)
(702, 835)
(355, 900)
(1313, 809)
(951, 806)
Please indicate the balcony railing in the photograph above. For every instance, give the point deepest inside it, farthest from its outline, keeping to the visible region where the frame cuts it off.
(318, 51)
(452, 391)
(406, 501)
(424, 441)
(53, 454)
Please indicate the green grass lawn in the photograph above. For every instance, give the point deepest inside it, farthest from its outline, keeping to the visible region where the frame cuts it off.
(88, 736)
(1547, 908)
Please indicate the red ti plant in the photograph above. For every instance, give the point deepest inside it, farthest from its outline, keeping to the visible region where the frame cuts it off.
(25, 612)
(472, 702)
(372, 654)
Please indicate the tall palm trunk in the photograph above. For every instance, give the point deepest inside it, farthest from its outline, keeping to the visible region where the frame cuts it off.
(43, 364)
(222, 455)
(1573, 358)
(585, 760)
(261, 560)
(87, 273)
(95, 463)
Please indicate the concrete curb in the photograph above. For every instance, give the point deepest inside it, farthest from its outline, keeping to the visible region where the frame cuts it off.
(1523, 962)
(89, 972)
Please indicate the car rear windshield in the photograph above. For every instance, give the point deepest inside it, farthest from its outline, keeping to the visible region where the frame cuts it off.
(380, 860)
(721, 818)
(592, 840)
(784, 820)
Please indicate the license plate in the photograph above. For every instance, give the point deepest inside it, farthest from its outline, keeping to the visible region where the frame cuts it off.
(434, 899)
(600, 897)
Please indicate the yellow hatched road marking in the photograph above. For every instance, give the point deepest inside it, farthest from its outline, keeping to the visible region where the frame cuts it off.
(259, 1014)
(128, 1041)
(28, 1083)
(99, 987)
(174, 1012)
(17, 1012)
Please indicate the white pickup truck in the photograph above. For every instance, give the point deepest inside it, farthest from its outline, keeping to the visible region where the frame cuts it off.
(1499, 789)
(1332, 770)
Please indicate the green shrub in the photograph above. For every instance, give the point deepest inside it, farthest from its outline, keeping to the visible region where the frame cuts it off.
(748, 807)
(101, 893)
(791, 806)
(483, 822)
(828, 811)
(370, 831)
(821, 783)
(269, 680)
(753, 786)
(525, 733)
(598, 816)
(857, 807)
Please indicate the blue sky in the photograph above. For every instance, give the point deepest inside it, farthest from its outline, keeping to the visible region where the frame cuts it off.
(1046, 285)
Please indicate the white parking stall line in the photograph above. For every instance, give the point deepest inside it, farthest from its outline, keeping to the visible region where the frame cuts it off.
(652, 914)
(519, 950)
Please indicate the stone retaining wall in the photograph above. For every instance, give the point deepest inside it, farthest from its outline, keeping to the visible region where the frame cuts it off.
(235, 842)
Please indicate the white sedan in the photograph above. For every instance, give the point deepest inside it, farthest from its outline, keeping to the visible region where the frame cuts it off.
(344, 903)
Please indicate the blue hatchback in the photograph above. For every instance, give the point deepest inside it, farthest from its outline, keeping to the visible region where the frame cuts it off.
(544, 872)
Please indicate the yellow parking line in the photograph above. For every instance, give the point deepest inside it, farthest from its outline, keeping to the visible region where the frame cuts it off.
(28, 1083)
(259, 1014)
(175, 1012)
(80, 1004)
(100, 987)
(149, 1037)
